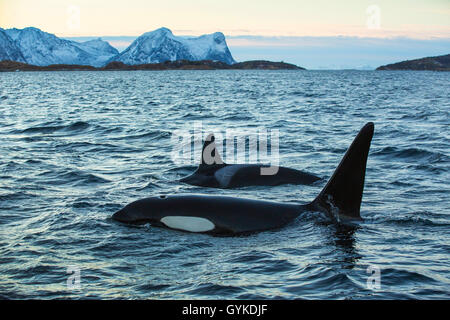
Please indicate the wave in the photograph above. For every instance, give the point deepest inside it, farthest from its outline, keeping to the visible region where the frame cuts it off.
(236, 117)
(151, 135)
(307, 94)
(72, 177)
(410, 153)
(416, 221)
(76, 126)
(423, 218)
(212, 289)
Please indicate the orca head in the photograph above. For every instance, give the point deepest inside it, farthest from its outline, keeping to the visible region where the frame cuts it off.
(164, 211)
(143, 211)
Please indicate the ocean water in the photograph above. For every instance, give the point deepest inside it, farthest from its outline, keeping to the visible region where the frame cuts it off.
(77, 146)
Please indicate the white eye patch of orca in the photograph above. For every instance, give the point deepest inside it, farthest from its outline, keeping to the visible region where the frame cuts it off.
(187, 223)
(224, 175)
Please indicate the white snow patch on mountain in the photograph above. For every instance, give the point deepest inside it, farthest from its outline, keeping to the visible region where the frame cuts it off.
(42, 49)
(8, 48)
(161, 45)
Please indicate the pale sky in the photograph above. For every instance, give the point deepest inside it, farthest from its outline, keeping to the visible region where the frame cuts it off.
(422, 19)
(316, 34)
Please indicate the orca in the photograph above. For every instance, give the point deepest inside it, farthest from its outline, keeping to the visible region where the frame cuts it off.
(213, 172)
(340, 199)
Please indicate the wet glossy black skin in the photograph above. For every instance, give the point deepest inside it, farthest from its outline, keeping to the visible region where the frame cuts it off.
(250, 175)
(230, 215)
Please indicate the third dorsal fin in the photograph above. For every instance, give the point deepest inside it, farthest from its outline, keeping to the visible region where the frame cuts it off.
(210, 155)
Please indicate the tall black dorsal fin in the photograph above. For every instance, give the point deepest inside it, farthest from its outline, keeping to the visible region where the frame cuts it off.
(210, 155)
(342, 195)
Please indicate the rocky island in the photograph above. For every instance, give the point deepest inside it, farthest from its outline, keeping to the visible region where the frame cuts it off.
(439, 63)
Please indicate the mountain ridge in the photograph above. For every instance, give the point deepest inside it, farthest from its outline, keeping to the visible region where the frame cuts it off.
(162, 45)
(33, 46)
(36, 47)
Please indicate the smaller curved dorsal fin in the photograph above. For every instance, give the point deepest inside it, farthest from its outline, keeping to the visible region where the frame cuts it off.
(210, 155)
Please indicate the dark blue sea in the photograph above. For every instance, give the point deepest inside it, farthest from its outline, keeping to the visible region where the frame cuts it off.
(77, 146)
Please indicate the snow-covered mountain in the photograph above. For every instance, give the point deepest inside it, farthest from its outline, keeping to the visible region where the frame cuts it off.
(100, 50)
(36, 47)
(161, 45)
(41, 48)
(8, 49)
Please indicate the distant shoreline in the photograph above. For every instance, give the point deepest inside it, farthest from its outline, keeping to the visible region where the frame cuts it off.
(438, 63)
(12, 66)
